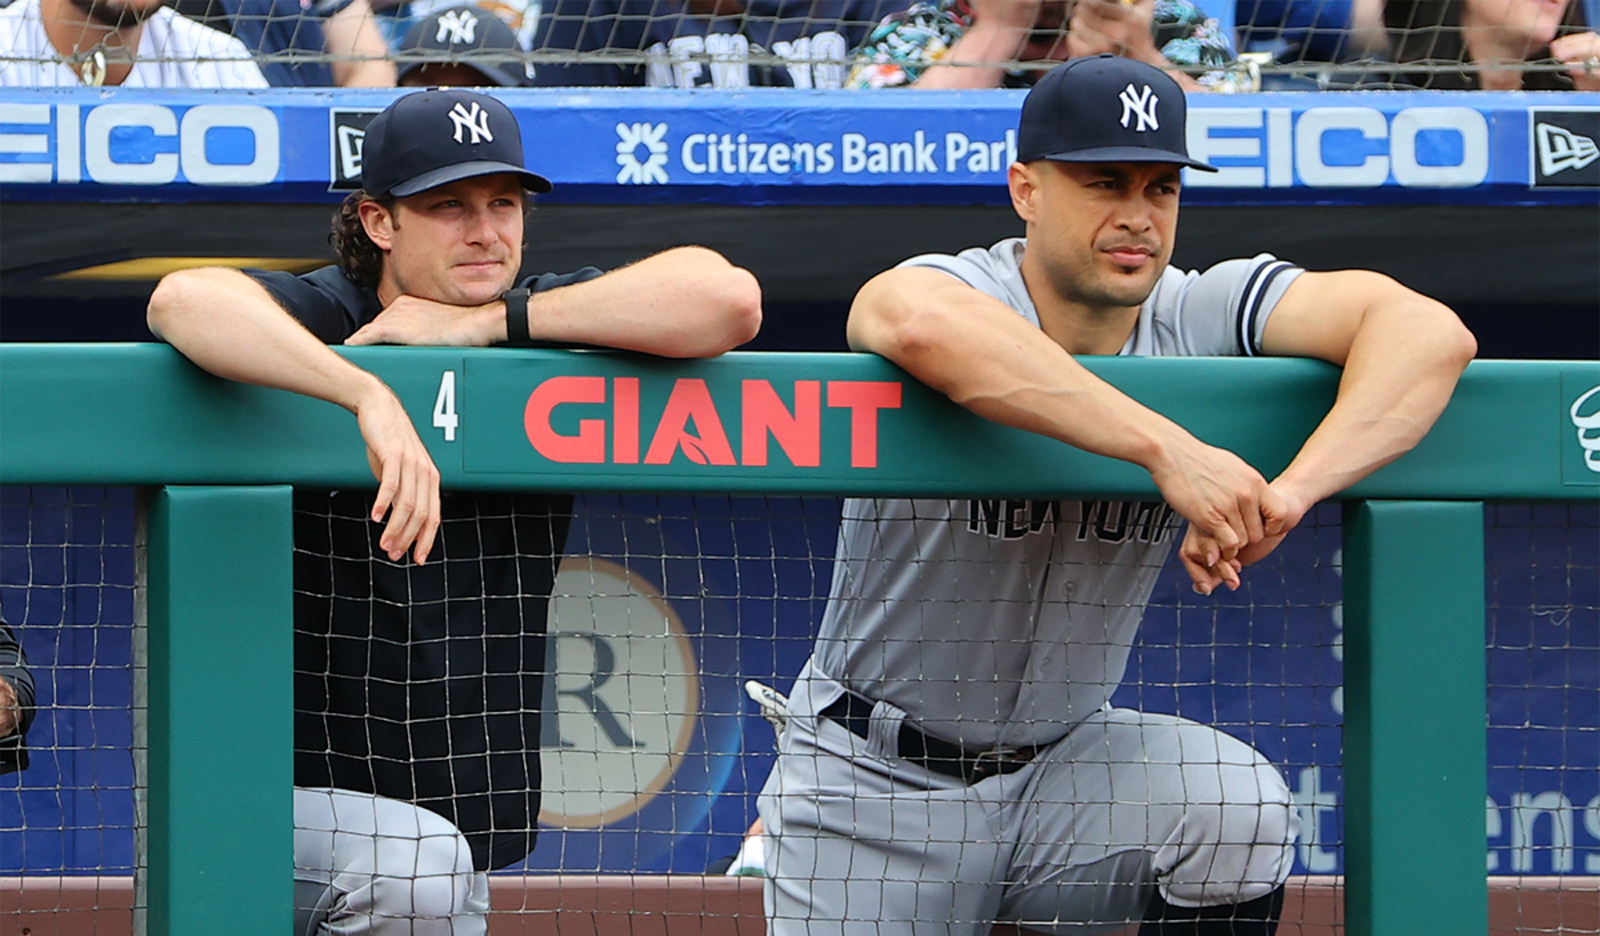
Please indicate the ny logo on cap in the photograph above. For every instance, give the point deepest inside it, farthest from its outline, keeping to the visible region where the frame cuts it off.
(1139, 105)
(474, 121)
(458, 27)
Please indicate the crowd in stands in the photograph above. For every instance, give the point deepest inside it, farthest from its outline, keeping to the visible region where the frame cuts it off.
(731, 44)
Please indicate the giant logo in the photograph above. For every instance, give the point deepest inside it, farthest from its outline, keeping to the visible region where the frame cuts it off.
(609, 429)
(623, 696)
(140, 144)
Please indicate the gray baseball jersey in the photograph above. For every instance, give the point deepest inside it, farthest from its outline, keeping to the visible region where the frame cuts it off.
(1004, 623)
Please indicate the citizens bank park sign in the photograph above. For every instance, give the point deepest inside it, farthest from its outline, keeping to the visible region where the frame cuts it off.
(780, 146)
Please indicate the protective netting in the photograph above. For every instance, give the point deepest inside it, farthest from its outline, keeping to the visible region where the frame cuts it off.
(1226, 45)
(664, 608)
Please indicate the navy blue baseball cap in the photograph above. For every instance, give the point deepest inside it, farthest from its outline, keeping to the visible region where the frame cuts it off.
(1103, 109)
(439, 136)
(460, 35)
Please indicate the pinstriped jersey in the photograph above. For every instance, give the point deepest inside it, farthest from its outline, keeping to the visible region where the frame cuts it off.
(1004, 622)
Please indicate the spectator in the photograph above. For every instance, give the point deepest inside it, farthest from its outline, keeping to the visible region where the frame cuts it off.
(395, 18)
(1312, 30)
(774, 43)
(461, 46)
(974, 43)
(16, 702)
(317, 45)
(132, 43)
(705, 43)
(1488, 44)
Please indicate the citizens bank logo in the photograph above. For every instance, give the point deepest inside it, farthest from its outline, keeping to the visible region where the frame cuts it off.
(622, 697)
(346, 130)
(1565, 152)
(652, 170)
(1585, 413)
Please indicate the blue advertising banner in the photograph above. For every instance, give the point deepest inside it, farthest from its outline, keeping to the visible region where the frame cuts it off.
(799, 147)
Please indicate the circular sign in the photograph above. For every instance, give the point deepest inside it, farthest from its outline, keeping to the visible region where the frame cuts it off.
(626, 695)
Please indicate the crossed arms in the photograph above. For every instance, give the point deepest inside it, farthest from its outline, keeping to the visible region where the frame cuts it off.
(685, 302)
(1401, 353)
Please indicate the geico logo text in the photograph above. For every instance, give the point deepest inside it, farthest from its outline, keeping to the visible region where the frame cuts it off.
(140, 144)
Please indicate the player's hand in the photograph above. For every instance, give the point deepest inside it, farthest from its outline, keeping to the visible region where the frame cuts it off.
(1581, 54)
(408, 482)
(1125, 29)
(1219, 494)
(1280, 514)
(412, 321)
(1206, 576)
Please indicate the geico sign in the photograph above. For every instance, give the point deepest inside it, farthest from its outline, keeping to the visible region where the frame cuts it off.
(131, 144)
(1340, 147)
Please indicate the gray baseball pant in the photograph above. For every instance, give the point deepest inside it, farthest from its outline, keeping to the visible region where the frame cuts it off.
(1074, 843)
(368, 865)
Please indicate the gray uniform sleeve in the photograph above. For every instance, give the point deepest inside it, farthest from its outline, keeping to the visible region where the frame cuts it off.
(1225, 309)
(979, 276)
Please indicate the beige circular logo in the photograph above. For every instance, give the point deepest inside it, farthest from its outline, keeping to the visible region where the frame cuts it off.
(624, 687)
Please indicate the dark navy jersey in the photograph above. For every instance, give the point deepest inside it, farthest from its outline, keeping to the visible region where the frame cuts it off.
(422, 683)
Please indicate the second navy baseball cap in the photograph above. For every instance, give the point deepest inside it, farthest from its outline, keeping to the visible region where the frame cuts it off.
(465, 35)
(439, 136)
(1105, 108)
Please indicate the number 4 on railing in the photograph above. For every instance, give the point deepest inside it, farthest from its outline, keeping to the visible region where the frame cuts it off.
(444, 408)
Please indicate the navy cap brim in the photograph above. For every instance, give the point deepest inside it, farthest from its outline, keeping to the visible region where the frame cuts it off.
(1115, 154)
(444, 175)
(491, 74)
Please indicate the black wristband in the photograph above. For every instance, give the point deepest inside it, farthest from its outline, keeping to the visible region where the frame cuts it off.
(516, 316)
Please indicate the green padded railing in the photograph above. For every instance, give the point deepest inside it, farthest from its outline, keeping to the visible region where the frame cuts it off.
(219, 537)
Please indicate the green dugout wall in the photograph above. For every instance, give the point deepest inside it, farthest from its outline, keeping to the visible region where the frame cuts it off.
(223, 456)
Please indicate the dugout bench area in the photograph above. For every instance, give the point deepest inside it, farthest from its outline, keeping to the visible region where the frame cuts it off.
(218, 718)
(1464, 213)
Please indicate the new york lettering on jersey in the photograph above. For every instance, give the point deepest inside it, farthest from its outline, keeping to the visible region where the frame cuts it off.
(1105, 521)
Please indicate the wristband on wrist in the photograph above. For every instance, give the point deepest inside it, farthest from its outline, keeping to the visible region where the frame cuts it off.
(516, 316)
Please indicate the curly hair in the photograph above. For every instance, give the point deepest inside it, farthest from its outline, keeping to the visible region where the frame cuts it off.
(359, 258)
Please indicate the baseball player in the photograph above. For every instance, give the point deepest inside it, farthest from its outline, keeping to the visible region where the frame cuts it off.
(417, 684)
(951, 757)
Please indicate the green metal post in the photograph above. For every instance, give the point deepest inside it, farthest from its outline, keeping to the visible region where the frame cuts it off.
(1415, 744)
(221, 825)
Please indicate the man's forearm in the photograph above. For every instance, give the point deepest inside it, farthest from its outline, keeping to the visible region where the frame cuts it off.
(688, 302)
(230, 326)
(1402, 369)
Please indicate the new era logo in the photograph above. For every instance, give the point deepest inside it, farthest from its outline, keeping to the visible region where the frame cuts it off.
(1566, 153)
(1560, 150)
(346, 131)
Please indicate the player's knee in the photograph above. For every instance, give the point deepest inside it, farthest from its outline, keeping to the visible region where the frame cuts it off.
(440, 887)
(1255, 809)
(430, 875)
(1240, 847)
